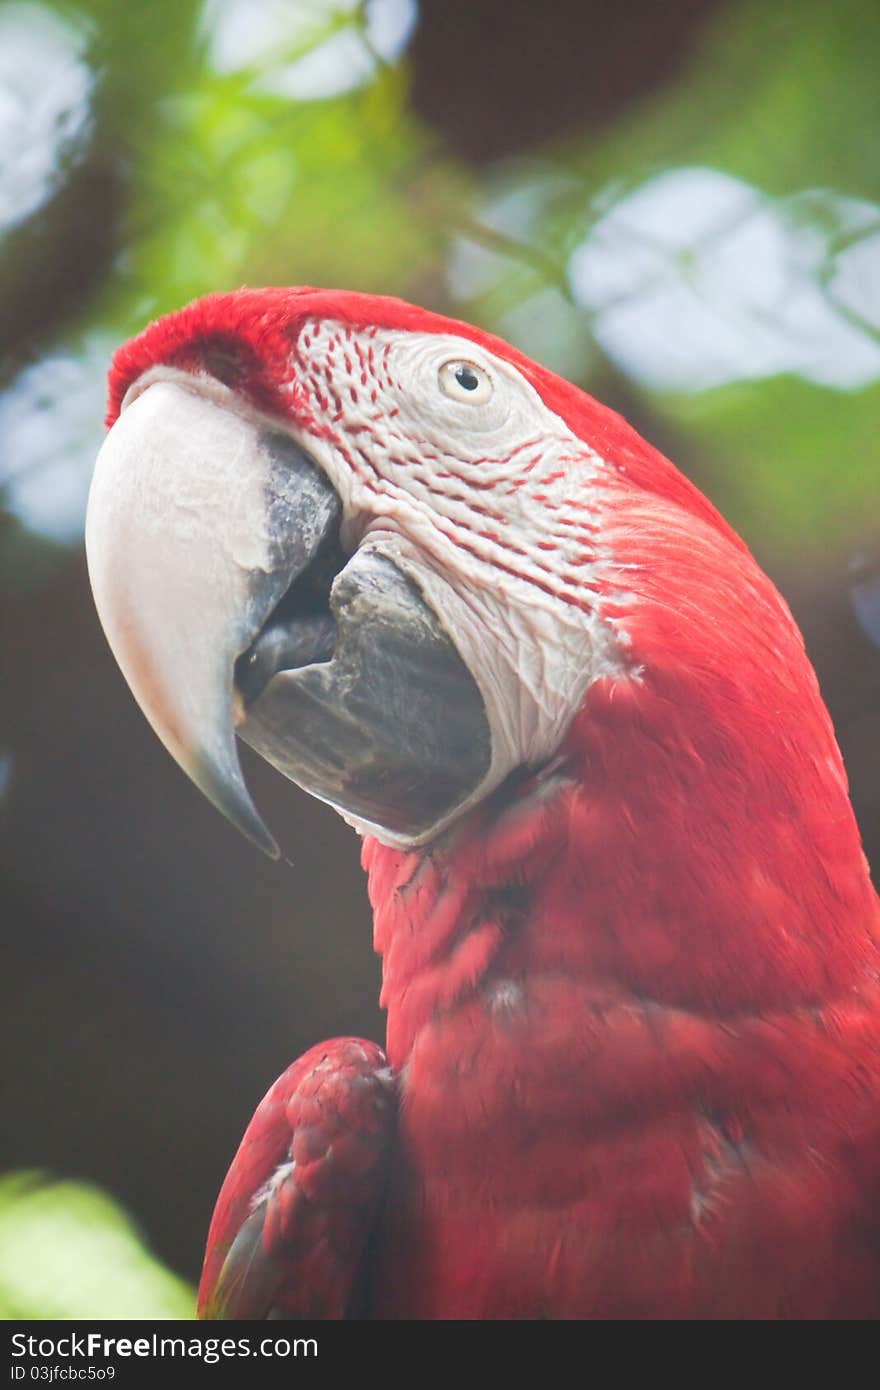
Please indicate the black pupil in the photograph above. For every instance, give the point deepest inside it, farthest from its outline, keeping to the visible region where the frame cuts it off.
(466, 378)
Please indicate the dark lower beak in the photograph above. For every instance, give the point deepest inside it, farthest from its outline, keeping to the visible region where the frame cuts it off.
(213, 546)
(391, 730)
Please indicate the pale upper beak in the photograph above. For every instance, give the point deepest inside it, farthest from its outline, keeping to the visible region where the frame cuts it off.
(187, 561)
(213, 552)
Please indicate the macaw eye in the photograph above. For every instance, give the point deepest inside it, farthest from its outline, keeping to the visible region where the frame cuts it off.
(465, 381)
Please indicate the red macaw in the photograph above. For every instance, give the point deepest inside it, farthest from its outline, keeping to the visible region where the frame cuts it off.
(629, 938)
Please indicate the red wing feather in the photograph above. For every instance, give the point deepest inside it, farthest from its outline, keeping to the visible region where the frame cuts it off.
(291, 1229)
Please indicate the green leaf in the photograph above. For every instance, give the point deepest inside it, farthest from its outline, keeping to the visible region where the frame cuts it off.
(69, 1251)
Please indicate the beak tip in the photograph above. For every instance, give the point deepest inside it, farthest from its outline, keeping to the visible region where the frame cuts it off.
(269, 845)
(225, 789)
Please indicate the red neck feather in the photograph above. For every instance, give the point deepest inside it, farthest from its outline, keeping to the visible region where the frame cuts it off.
(692, 845)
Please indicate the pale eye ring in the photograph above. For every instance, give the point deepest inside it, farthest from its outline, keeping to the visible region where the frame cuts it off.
(465, 381)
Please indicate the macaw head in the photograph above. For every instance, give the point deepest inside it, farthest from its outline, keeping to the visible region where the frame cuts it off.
(386, 550)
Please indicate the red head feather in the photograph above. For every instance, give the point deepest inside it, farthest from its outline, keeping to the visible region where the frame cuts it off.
(713, 812)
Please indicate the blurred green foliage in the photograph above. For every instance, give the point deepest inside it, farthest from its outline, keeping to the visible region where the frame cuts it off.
(67, 1251)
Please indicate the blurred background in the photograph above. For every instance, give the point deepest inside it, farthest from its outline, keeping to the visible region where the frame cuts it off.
(676, 206)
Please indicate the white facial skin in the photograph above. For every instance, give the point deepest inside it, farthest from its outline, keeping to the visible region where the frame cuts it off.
(449, 462)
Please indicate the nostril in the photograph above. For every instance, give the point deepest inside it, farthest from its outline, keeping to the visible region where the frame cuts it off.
(224, 359)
